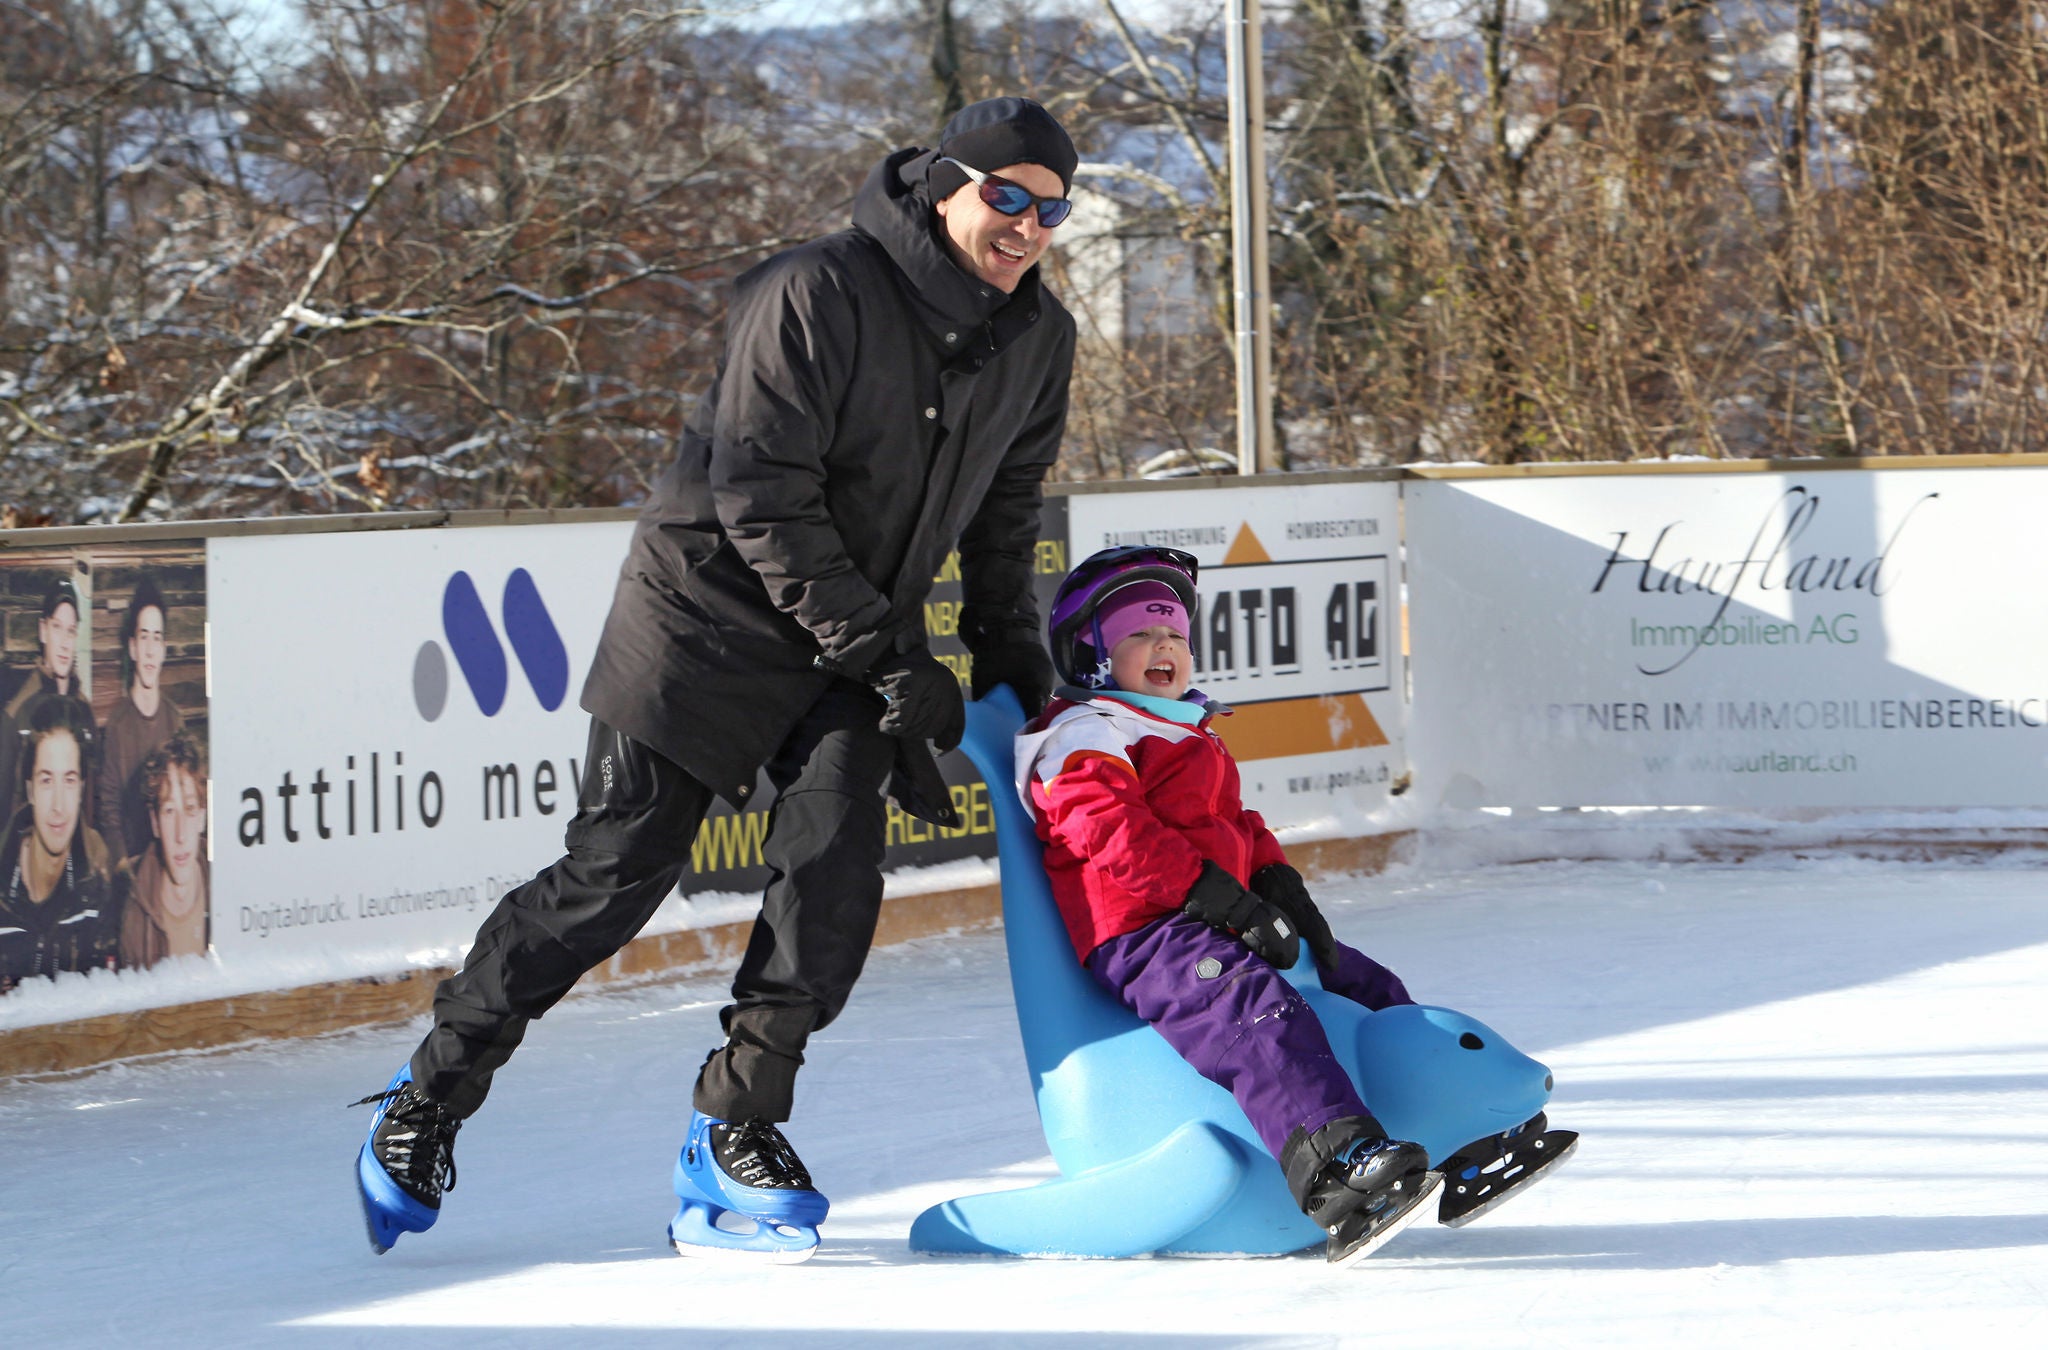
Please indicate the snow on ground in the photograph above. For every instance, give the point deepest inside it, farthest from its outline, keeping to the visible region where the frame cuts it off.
(1814, 1100)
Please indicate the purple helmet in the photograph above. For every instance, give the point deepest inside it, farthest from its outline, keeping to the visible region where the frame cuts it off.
(1076, 639)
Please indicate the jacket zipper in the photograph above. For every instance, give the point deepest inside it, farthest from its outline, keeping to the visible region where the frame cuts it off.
(1216, 790)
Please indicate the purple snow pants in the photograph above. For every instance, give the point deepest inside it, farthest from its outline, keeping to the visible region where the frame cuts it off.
(1239, 1022)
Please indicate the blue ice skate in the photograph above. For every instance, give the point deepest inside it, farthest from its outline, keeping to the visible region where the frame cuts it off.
(744, 1194)
(405, 1164)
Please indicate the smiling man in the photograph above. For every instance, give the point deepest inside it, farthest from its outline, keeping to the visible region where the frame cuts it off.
(997, 231)
(887, 393)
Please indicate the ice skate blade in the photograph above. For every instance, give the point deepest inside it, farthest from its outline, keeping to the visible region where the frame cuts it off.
(1431, 1181)
(370, 1214)
(712, 1233)
(377, 1245)
(1556, 1145)
(734, 1256)
(388, 1213)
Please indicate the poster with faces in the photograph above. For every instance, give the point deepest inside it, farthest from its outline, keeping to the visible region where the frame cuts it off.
(103, 758)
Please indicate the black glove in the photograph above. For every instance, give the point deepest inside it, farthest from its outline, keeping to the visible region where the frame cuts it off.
(1022, 664)
(924, 698)
(1217, 900)
(1281, 887)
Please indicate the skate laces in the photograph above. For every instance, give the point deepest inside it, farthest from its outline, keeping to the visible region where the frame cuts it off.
(415, 1142)
(754, 1153)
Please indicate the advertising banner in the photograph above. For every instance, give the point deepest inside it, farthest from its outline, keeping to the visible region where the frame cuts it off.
(1831, 639)
(400, 739)
(1299, 634)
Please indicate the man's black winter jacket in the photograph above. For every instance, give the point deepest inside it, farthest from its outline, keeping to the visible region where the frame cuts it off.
(876, 405)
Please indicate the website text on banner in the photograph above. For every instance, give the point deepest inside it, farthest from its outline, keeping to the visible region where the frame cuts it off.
(1299, 633)
(1836, 639)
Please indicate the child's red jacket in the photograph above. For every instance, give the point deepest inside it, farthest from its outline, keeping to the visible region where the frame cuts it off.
(1129, 804)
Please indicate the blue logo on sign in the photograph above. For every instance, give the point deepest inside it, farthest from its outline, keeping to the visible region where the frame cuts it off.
(481, 656)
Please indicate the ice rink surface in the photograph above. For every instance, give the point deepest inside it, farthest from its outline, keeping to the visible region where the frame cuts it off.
(1814, 1100)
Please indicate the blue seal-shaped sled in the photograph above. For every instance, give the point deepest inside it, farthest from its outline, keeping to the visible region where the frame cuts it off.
(1153, 1157)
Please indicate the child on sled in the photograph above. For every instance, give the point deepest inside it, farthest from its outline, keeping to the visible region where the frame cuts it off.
(1181, 903)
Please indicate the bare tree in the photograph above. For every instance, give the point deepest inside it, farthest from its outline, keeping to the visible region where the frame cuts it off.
(448, 252)
(458, 254)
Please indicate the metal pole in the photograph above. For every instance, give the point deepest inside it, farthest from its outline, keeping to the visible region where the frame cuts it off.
(1250, 290)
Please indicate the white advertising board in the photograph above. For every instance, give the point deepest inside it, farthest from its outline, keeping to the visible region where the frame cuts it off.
(1299, 633)
(1833, 639)
(404, 741)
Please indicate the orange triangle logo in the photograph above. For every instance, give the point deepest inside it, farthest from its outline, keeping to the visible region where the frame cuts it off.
(1246, 548)
(1313, 725)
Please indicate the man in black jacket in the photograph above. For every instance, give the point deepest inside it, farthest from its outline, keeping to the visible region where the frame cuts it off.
(886, 392)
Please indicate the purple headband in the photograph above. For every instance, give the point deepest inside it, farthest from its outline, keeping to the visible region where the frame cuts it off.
(1137, 607)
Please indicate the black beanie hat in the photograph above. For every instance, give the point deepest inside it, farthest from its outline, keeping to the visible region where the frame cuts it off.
(996, 133)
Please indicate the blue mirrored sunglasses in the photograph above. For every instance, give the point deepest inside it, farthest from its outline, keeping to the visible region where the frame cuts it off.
(1012, 200)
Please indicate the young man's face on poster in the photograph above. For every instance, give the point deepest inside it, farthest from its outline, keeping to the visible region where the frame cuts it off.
(59, 636)
(146, 648)
(56, 790)
(179, 823)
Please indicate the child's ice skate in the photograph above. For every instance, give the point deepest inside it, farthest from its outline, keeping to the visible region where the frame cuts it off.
(1487, 1171)
(1370, 1191)
(745, 1194)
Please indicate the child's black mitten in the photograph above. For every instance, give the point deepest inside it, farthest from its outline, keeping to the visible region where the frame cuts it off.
(1281, 887)
(1217, 900)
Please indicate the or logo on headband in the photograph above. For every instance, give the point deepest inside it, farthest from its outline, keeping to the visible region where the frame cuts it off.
(1161, 607)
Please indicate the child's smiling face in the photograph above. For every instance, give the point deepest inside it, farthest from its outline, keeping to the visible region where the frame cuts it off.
(1153, 661)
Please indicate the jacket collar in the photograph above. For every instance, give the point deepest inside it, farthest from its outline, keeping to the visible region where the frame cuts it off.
(1193, 709)
(894, 208)
(1190, 712)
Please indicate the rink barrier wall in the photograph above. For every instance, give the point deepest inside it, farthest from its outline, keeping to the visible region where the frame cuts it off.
(68, 1046)
(355, 1005)
(326, 615)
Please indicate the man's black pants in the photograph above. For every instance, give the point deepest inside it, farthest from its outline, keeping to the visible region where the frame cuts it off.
(628, 844)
